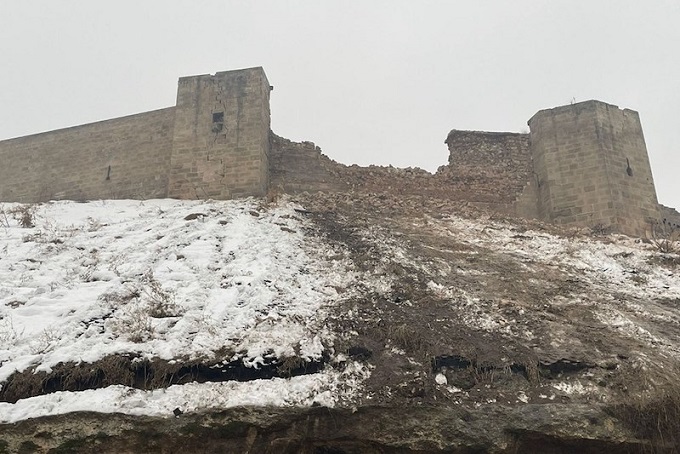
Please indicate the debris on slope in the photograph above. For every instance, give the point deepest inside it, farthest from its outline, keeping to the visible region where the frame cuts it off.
(351, 300)
(489, 310)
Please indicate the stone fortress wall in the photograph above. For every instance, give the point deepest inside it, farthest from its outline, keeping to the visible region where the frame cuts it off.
(220, 145)
(583, 164)
(121, 158)
(592, 166)
(213, 144)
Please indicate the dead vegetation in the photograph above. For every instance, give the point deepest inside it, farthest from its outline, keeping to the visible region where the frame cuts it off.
(143, 373)
(160, 302)
(665, 238)
(651, 409)
(24, 215)
(410, 333)
(408, 339)
(137, 305)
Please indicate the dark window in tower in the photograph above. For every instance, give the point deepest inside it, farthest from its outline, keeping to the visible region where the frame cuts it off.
(217, 121)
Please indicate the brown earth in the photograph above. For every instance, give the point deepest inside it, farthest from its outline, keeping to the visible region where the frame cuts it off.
(447, 376)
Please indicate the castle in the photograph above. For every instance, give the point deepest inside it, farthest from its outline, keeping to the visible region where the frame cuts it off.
(581, 164)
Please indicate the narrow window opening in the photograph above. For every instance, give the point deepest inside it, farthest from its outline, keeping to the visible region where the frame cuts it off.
(629, 171)
(218, 122)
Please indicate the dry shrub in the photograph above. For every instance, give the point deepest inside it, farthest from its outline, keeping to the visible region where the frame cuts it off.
(134, 323)
(4, 220)
(600, 229)
(24, 215)
(665, 237)
(8, 334)
(119, 298)
(273, 195)
(160, 302)
(137, 305)
(45, 341)
(272, 198)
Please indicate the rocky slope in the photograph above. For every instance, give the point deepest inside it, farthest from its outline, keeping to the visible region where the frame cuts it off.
(332, 323)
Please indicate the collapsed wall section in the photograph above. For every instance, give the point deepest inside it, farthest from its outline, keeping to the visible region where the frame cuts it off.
(221, 136)
(592, 167)
(488, 166)
(127, 157)
(669, 218)
(486, 169)
(301, 167)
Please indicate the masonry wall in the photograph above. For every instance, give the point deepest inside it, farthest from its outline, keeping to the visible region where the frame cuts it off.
(221, 136)
(301, 167)
(127, 157)
(592, 167)
(488, 166)
(487, 169)
(669, 217)
(582, 164)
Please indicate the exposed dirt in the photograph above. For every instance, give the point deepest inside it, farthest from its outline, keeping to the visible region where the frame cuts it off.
(471, 348)
(142, 373)
(413, 332)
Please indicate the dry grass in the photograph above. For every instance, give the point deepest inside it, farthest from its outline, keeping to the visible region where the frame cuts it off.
(8, 333)
(652, 411)
(160, 302)
(24, 215)
(408, 339)
(655, 417)
(290, 364)
(666, 238)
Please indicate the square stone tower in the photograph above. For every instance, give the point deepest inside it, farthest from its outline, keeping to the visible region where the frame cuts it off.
(592, 167)
(221, 136)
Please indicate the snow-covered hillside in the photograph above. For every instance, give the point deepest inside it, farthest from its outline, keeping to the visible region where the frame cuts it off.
(346, 300)
(178, 281)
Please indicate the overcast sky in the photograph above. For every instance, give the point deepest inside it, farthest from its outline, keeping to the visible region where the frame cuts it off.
(370, 82)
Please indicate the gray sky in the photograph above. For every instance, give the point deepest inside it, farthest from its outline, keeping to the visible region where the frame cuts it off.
(370, 82)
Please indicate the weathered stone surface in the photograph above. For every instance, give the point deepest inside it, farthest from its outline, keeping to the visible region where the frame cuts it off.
(497, 164)
(126, 157)
(670, 216)
(213, 144)
(583, 164)
(592, 167)
(549, 428)
(220, 146)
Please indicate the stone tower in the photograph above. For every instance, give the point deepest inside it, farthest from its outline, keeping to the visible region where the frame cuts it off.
(221, 136)
(592, 167)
